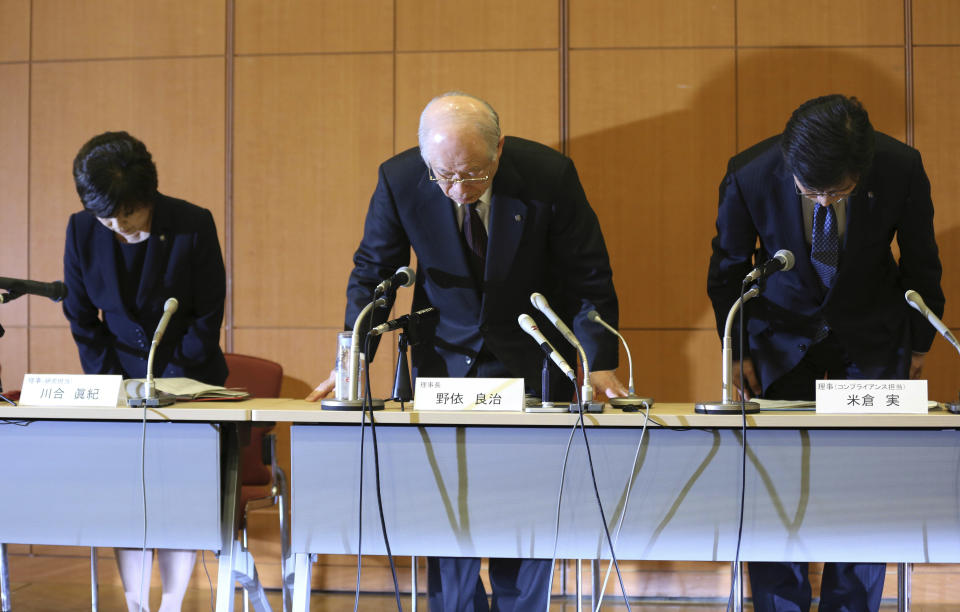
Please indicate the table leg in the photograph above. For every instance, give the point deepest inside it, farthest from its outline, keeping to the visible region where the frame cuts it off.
(904, 571)
(94, 589)
(4, 580)
(413, 584)
(301, 581)
(228, 516)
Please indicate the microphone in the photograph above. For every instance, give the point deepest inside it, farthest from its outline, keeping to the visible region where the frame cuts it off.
(151, 399)
(781, 260)
(527, 323)
(402, 322)
(913, 298)
(631, 402)
(169, 307)
(540, 303)
(56, 290)
(403, 277)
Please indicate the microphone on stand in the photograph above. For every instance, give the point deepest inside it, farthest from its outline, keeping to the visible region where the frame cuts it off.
(16, 287)
(403, 322)
(540, 303)
(781, 260)
(403, 277)
(728, 405)
(529, 325)
(913, 298)
(632, 402)
(151, 399)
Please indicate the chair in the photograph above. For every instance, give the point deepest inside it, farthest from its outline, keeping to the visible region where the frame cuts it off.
(263, 482)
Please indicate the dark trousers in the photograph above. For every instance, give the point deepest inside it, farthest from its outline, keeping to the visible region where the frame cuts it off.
(846, 587)
(454, 585)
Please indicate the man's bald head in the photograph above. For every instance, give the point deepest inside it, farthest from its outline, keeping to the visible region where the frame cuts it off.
(458, 115)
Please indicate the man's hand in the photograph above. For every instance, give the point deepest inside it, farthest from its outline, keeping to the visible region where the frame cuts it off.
(749, 377)
(606, 384)
(323, 389)
(916, 366)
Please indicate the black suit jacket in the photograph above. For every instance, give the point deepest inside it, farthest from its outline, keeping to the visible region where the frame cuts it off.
(183, 260)
(543, 236)
(865, 308)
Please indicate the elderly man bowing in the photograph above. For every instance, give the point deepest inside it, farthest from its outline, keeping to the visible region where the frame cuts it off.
(491, 219)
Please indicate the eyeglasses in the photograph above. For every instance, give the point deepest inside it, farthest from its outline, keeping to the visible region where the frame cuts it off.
(831, 196)
(450, 180)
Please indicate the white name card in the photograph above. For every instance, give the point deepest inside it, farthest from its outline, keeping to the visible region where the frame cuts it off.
(87, 390)
(872, 396)
(468, 394)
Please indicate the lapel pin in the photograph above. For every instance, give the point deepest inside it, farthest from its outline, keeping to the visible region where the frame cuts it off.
(516, 218)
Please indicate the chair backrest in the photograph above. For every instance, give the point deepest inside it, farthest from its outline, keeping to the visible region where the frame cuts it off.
(260, 377)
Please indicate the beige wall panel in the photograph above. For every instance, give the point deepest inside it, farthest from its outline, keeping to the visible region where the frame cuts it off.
(176, 107)
(441, 25)
(651, 23)
(937, 136)
(681, 365)
(309, 26)
(310, 133)
(53, 351)
(650, 131)
(14, 30)
(308, 355)
(819, 22)
(14, 114)
(942, 367)
(936, 22)
(771, 83)
(81, 29)
(14, 356)
(523, 86)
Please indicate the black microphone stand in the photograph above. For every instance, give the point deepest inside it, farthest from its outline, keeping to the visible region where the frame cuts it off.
(402, 390)
(545, 404)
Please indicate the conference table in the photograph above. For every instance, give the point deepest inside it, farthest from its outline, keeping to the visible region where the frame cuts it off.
(818, 487)
(74, 476)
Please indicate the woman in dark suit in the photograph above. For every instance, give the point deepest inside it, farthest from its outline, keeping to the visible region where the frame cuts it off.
(126, 253)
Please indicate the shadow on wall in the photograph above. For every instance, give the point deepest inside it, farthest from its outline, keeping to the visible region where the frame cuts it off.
(653, 182)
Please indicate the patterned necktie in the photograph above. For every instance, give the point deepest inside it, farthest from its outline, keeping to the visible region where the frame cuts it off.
(825, 244)
(476, 237)
(824, 253)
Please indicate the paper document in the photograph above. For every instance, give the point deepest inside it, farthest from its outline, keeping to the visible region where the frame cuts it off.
(183, 389)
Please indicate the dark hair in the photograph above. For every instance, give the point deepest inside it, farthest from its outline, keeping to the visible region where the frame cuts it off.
(114, 173)
(828, 139)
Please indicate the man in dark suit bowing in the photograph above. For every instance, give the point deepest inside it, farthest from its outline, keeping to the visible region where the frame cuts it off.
(491, 220)
(835, 193)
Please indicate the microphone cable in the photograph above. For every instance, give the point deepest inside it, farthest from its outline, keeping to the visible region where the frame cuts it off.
(556, 533)
(735, 567)
(143, 491)
(596, 492)
(626, 502)
(367, 404)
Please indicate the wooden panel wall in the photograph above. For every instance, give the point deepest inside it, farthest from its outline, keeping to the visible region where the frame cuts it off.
(282, 137)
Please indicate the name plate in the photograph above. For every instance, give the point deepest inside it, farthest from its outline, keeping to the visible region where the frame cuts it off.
(872, 396)
(468, 394)
(87, 390)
